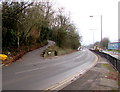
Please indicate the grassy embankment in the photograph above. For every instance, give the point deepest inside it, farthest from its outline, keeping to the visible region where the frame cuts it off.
(113, 74)
(59, 51)
(15, 54)
(115, 50)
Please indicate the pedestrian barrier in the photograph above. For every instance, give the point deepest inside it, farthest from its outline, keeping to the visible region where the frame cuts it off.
(114, 61)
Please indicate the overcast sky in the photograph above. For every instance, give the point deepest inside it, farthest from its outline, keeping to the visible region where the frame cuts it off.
(80, 11)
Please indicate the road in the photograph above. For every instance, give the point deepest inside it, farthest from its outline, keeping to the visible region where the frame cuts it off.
(32, 72)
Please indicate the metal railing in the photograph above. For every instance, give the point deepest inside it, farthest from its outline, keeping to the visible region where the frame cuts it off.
(114, 61)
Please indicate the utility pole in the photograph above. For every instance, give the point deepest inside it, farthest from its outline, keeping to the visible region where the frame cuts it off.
(101, 32)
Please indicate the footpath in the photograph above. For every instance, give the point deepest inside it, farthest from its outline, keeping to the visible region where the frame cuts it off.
(101, 77)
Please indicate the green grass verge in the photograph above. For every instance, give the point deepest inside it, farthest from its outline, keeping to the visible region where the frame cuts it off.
(114, 50)
(118, 83)
(113, 74)
(114, 90)
(109, 67)
(60, 51)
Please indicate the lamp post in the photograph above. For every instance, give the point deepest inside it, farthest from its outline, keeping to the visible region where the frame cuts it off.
(101, 29)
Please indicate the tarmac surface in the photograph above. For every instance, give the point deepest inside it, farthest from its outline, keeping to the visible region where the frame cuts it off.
(95, 79)
(33, 72)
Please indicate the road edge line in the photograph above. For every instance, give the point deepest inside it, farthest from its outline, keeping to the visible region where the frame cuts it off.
(67, 80)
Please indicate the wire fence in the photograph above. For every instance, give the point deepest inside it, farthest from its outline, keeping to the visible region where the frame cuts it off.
(114, 61)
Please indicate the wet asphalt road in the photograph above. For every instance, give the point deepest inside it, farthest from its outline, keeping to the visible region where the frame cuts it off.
(32, 72)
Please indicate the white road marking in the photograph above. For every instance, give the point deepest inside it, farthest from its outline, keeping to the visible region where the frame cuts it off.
(61, 83)
(30, 70)
(27, 71)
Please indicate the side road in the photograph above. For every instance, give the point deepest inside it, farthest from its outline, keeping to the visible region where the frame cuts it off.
(101, 77)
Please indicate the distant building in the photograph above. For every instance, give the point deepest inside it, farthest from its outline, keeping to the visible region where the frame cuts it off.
(114, 46)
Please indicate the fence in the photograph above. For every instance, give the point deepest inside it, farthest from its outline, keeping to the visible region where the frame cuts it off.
(114, 61)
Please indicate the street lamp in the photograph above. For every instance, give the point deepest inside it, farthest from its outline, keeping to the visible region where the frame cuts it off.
(101, 27)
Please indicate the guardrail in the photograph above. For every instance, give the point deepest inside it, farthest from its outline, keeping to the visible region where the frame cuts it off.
(114, 61)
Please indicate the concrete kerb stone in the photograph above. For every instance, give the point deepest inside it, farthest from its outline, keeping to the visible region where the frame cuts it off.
(98, 82)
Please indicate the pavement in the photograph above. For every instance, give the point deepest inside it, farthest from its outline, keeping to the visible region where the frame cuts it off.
(100, 77)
